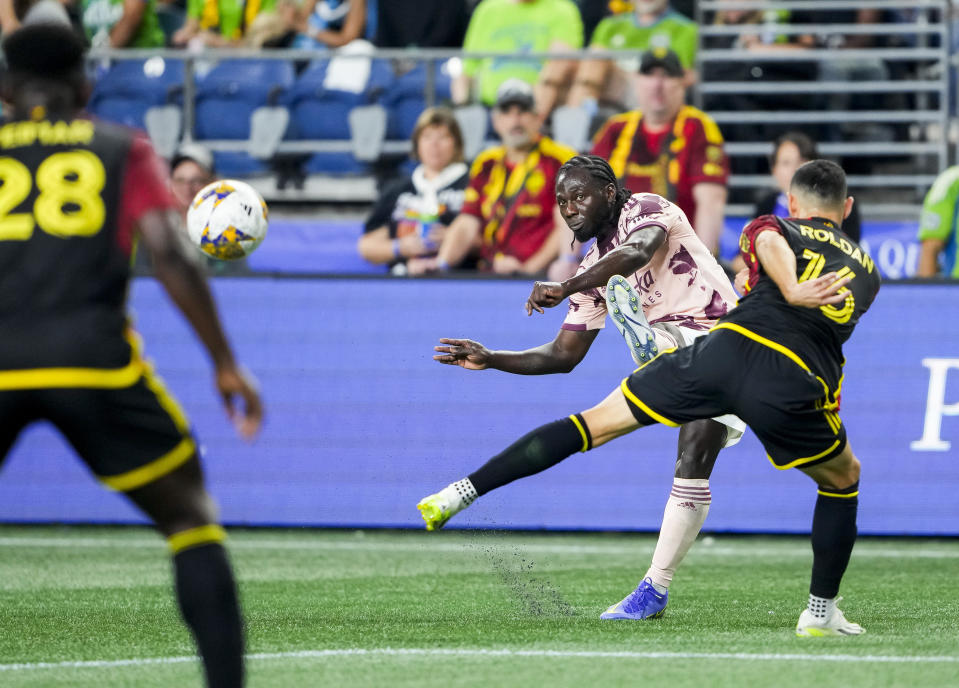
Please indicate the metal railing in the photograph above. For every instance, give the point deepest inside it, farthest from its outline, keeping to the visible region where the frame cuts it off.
(920, 104)
(906, 167)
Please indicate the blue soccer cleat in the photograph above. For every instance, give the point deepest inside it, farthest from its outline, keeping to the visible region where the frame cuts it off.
(642, 603)
(627, 315)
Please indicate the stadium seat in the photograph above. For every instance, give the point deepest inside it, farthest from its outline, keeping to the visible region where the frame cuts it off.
(129, 88)
(226, 99)
(319, 112)
(405, 99)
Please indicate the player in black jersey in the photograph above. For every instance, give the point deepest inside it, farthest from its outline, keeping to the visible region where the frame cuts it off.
(775, 361)
(74, 196)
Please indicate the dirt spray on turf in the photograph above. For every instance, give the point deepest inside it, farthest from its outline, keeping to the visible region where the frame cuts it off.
(514, 567)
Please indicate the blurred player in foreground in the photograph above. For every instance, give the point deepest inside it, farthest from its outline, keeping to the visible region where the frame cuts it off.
(775, 361)
(77, 193)
(673, 282)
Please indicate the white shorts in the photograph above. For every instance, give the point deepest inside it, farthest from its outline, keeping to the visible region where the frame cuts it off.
(664, 340)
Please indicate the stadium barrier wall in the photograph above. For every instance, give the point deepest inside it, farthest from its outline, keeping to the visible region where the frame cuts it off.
(329, 246)
(361, 423)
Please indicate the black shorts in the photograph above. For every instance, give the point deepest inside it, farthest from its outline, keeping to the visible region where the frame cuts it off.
(129, 436)
(786, 405)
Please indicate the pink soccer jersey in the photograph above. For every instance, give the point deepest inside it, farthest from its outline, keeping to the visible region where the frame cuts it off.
(682, 283)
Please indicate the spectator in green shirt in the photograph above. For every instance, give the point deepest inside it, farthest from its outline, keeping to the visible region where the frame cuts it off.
(219, 23)
(514, 27)
(651, 24)
(937, 227)
(122, 23)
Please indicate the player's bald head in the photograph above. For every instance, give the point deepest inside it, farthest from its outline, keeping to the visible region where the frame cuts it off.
(820, 183)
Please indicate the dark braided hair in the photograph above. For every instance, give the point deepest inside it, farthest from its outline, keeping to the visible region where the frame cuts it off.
(600, 171)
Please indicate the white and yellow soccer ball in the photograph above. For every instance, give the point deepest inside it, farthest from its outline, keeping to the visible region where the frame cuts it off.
(227, 219)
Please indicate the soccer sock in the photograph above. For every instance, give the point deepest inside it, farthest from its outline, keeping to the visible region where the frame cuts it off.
(833, 536)
(685, 513)
(459, 495)
(207, 596)
(545, 446)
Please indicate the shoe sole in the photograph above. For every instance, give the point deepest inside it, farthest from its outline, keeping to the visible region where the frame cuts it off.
(432, 515)
(823, 633)
(624, 308)
(627, 617)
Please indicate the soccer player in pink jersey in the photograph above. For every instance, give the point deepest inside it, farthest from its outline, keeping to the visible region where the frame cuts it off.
(673, 291)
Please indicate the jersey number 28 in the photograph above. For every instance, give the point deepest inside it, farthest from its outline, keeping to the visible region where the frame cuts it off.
(69, 202)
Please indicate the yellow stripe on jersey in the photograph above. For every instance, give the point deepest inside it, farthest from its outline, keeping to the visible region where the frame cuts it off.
(93, 378)
(837, 494)
(169, 404)
(582, 431)
(804, 460)
(624, 144)
(775, 346)
(710, 128)
(555, 150)
(194, 537)
(628, 393)
(138, 477)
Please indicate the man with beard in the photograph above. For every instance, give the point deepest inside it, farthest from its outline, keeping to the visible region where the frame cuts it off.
(776, 361)
(673, 282)
(509, 211)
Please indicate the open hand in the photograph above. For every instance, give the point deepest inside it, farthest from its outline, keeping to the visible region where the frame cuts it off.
(463, 352)
(826, 290)
(545, 295)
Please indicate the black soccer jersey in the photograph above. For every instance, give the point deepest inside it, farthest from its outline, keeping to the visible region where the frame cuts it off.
(814, 336)
(70, 195)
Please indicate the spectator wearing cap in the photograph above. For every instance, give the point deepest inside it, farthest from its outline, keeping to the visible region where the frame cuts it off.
(669, 148)
(509, 212)
(650, 24)
(191, 168)
(514, 28)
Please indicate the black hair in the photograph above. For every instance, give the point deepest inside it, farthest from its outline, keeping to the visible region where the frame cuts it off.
(47, 58)
(601, 172)
(46, 50)
(804, 144)
(823, 179)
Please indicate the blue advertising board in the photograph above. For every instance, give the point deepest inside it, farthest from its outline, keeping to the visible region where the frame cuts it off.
(361, 423)
(329, 246)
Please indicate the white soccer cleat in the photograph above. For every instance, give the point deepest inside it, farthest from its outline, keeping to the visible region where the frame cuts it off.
(835, 624)
(627, 314)
(437, 509)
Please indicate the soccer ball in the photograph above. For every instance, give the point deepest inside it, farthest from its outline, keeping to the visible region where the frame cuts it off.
(227, 219)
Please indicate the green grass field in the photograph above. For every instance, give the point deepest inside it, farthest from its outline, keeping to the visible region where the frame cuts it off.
(93, 607)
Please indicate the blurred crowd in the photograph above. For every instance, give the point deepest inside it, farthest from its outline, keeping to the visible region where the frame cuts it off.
(494, 212)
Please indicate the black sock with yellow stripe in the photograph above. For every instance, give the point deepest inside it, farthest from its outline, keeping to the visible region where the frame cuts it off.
(545, 446)
(833, 537)
(207, 596)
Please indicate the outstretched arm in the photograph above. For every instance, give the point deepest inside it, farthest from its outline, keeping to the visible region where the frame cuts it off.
(178, 272)
(779, 262)
(626, 259)
(558, 356)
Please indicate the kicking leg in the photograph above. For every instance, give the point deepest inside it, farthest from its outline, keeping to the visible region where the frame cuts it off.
(183, 511)
(534, 452)
(833, 537)
(685, 513)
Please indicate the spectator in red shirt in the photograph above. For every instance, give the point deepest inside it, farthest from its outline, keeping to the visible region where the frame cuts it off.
(510, 211)
(669, 148)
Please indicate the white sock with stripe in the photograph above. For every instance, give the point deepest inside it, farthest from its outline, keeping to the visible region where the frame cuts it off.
(683, 518)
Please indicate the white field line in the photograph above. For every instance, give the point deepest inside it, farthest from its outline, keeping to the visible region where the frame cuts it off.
(479, 652)
(479, 542)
